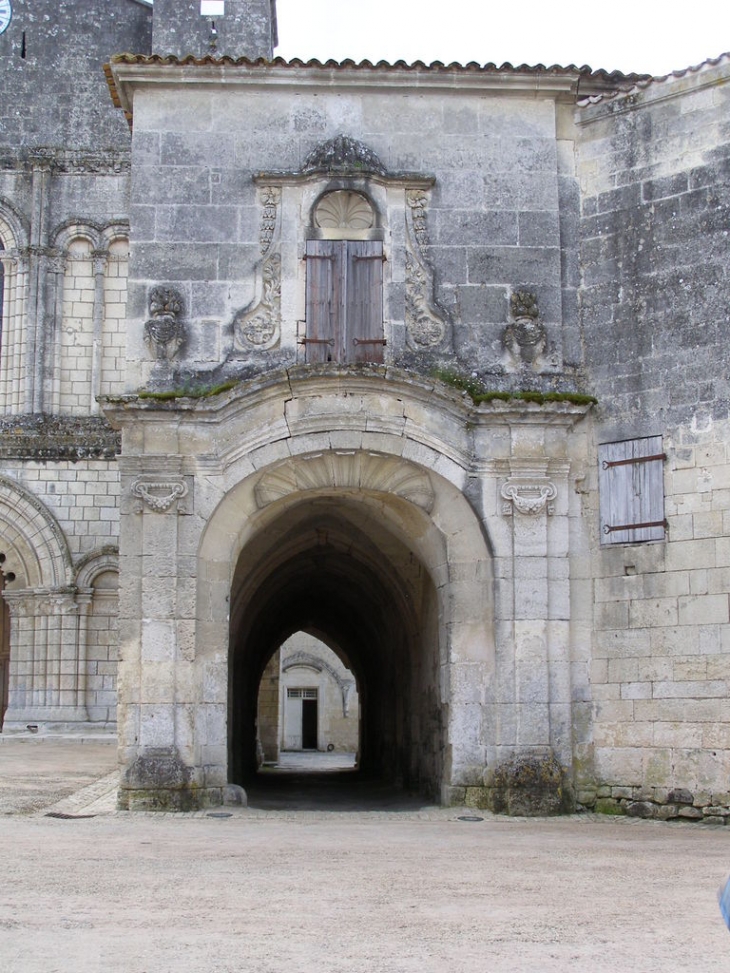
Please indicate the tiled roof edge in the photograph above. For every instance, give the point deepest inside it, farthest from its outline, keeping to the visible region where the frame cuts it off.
(600, 75)
(641, 83)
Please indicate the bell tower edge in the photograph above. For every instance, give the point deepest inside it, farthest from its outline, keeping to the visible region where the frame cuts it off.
(232, 28)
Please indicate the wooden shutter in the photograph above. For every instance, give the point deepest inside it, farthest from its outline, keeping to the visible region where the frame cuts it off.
(324, 339)
(631, 491)
(364, 329)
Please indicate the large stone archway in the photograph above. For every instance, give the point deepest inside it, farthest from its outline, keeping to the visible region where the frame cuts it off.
(379, 510)
(381, 557)
(329, 568)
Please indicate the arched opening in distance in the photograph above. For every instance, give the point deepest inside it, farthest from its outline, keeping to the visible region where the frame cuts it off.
(336, 568)
(308, 707)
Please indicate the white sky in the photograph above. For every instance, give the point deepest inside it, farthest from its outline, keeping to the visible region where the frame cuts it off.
(646, 36)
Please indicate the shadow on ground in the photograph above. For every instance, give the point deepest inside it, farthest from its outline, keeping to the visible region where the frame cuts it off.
(325, 782)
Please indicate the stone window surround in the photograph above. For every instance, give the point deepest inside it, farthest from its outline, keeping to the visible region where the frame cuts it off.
(395, 225)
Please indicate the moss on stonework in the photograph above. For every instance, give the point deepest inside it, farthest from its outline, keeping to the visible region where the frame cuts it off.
(608, 805)
(189, 392)
(479, 393)
(477, 797)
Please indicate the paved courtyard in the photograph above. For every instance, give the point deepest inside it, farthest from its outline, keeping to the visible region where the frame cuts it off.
(398, 889)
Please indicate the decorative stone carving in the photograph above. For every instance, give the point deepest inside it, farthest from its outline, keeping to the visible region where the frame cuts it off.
(159, 495)
(43, 438)
(164, 332)
(258, 326)
(344, 155)
(70, 160)
(344, 210)
(270, 197)
(417, 202)
(426, 322)
(346, 471)
(525, 339)
(528, 495)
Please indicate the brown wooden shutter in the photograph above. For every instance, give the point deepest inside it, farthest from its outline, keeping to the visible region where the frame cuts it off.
(365, 341)
(324, 301)
(631, 491)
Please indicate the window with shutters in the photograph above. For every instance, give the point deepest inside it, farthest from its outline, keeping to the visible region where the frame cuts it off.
(631, 491)
(344, 313)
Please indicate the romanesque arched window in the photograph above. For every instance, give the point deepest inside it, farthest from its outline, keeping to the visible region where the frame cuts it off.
(344, 315)
(114, 335)
(77, 328)
(12, 335)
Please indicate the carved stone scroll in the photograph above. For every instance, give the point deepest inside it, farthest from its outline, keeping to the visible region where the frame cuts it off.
(528, 496)
(259, 325)
(427, 324)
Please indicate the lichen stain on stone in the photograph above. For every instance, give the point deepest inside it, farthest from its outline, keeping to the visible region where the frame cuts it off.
(158, 780)
(530, 786)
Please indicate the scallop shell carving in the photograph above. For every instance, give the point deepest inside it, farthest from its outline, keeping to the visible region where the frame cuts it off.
(344, 210)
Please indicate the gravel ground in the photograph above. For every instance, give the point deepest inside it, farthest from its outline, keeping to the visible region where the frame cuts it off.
(268, 891)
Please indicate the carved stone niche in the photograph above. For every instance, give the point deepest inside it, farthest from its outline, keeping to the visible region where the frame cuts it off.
(525, 338)
(164, 331)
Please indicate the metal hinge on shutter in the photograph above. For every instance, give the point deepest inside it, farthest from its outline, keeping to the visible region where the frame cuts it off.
(608, 464)
(610, 528)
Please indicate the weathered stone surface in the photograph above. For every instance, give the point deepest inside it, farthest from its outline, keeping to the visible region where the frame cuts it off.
(530, 786)
(45, 438)
(521, 246)
(158, 780)
(692, 813)
(640, 809)
(680, 795)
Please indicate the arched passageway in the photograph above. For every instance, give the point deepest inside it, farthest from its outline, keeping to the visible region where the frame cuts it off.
(307, 701)
(333, 566)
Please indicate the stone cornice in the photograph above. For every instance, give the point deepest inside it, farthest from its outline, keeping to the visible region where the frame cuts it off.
(52, 438)
(110, 162)
(125, 74)
(333, 379)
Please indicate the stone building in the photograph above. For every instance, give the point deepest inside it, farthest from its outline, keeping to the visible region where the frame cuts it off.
(426, 362)
(307, 700)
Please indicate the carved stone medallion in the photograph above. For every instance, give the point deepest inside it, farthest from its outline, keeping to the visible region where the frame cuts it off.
(164, 332)
(525, 338)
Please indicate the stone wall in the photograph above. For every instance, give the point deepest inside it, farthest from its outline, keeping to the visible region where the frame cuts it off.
(655, 250)
(307, 662)
(60, 49)
(233, 174)
(82, 496)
